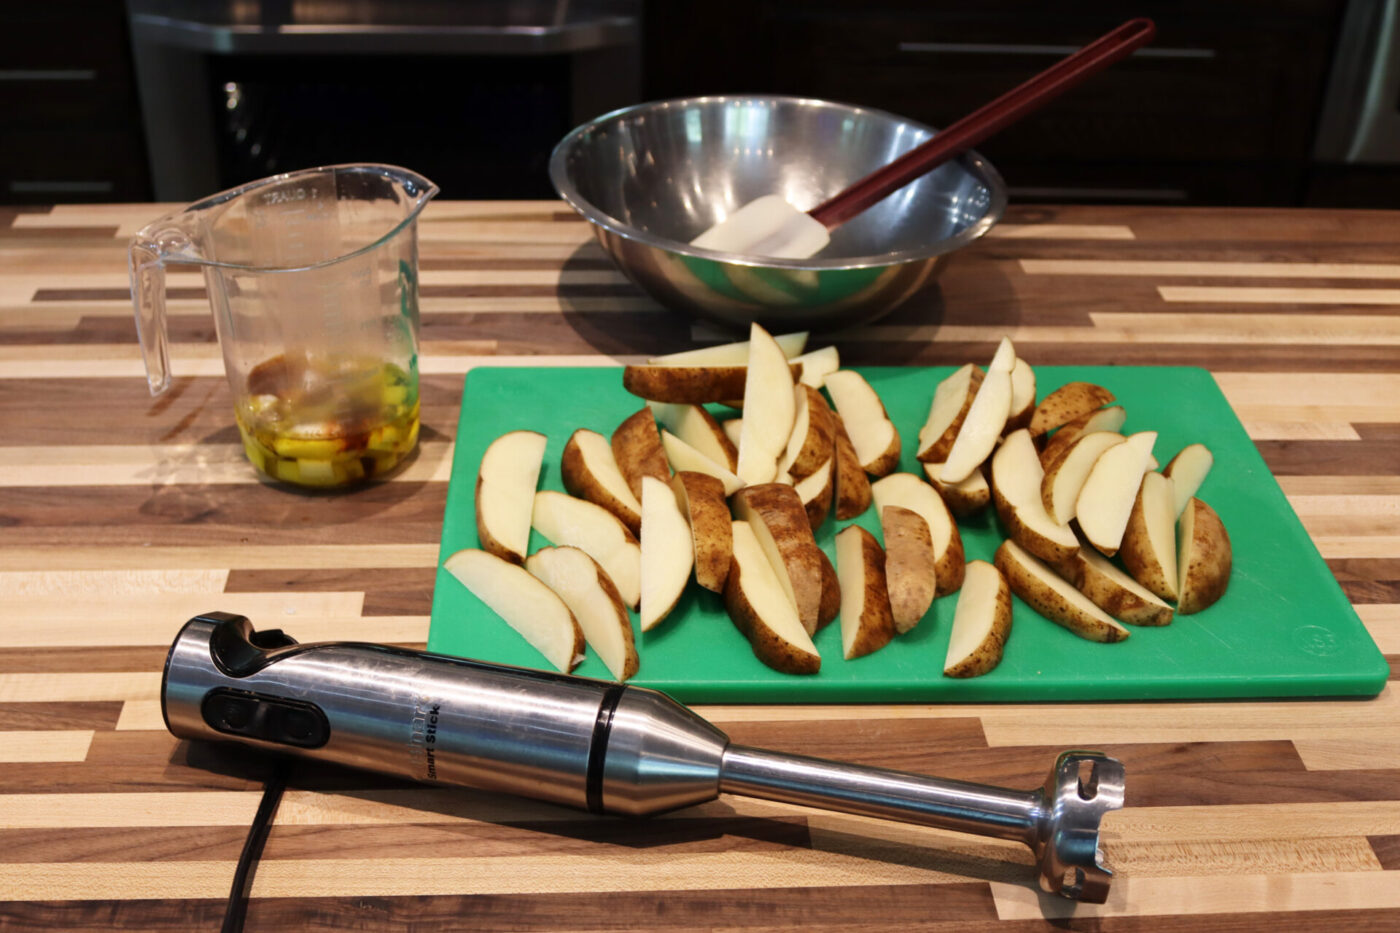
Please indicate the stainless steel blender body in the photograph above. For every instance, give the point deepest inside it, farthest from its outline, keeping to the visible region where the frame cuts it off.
(601, 746)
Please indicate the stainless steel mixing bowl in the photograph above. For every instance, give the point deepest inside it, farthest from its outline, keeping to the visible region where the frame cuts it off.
(650, 178)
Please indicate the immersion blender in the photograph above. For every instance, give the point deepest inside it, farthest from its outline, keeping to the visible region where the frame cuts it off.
(596, 745)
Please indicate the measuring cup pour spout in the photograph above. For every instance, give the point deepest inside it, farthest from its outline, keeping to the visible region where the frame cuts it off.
(313, 280)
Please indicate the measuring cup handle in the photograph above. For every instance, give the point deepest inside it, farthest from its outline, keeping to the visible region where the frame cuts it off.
(147, 267)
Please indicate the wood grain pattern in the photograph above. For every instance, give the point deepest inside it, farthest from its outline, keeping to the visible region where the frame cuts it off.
(121, 515)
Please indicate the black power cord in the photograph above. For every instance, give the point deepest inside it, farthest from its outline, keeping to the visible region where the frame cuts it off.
(237, 908)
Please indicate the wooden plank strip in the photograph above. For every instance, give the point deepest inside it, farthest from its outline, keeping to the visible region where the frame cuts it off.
(45, 746)
(1309, 329)
(17, 717)
(141, 716)
(1300, 430)
(1197, 268)
(1333, 547)
(1275, 295)
(387, 592)
(1211, 896)
(78, 688)
(81, 660)
(111, 583)
(222, 556)
(1383, 622)
(161, 627)
(1318, 485)
(1054, 231)
(1375, 748)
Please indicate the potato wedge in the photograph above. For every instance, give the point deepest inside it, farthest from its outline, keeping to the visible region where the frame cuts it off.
(816, 364)
(590, 595)
(526, 604)
(867, 623)
(868, 426)
(505, 493)
(1053, 597)
(1065, 475)
(1067, 403)
(730, 354)
(690, 385)
(590, 472)
(981, 622)
(831, 593)
(911, 564)
(1188, 470)
(698, 428)
(813, 433)
(1106, 499)
(969, 497)
(682, 457)
(852, 485)
(702, 499)
(567, 521)
(770, 405)
(1111, 418)
(760, 609)
(779, 523)
(1204, 557)
(1022, 397)
(1149, 542)
(951, 400)
(636, 446)
(818, 490)
(986, 418)
(733, 429)
(1016, 482)
(908, 491)
(1115, 592)
(668, 552)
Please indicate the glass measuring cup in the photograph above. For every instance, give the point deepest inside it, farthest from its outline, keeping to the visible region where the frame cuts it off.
(313, 280)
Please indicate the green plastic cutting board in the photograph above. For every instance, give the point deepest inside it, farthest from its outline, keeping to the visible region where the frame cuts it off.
(1284, 627)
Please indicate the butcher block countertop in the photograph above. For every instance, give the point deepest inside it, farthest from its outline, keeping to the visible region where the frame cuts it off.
(122, 516)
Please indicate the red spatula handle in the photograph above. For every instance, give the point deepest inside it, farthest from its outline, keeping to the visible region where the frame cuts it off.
(982, 123)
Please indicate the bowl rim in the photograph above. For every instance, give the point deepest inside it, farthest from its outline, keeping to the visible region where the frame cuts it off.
(971, 160)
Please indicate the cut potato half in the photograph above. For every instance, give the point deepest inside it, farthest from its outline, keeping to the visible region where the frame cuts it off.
(981, 622)
(567, 521)
(526, 604)
(1055, 598)
(668, 553)
(590, 595)
(908, 491)
(590, 472)
(872, 434)
(505, 493)
(761, 610)
(867, 624)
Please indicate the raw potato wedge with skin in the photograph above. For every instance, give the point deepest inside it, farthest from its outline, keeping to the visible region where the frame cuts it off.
(761, 611)
(911, 573)
(1053, 597)
(867, 624)
(1115, 592)
(1111, 418)
(590, 472)
(564, 520)
(636, 446)
(852, 485)
(981, 622)
(867, 424)
(1149, 542)
(986, 418)
(779, 523)
(969, 497)
(769, 409)
(682, 457)
(591, 597)
(813, 433)
(908, 491)
(1022, 397)
(951, 400)
(817, 364)
(818, 490)
(1106, 499)
(505, 493)
(668, 553)
(1204, 557)
(690, 385)
(1188, 470)
(1065, 476)
(733, 428)
(1067, 403)
(730, 354)
(698, 428)
(831, 593)
(1016, 484)
(703, 500)
(526, 604)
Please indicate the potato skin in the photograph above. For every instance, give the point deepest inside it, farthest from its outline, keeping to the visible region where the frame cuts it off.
(821, 434)
(767, 645)
(831, 593)
(777, 507)
(710, 527)
(636, 446)
(581, 484)
(1206, 558)
(1067, 403)
(1106, 593)
(852, 485)
(910, 566)
(693, 385)
(876, 624)
(1048, 603)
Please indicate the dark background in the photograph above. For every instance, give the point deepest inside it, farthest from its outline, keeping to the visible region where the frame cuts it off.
(1225, 109)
